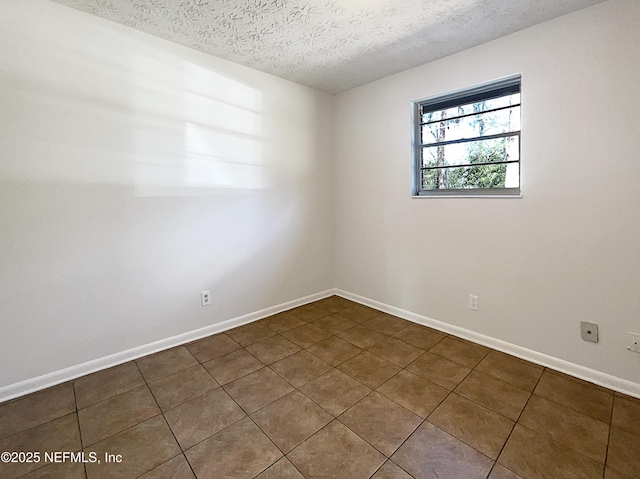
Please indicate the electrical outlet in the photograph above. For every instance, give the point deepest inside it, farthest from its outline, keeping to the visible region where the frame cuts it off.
(473, 302)
(205, 296)
(635, 342)
(589, 331)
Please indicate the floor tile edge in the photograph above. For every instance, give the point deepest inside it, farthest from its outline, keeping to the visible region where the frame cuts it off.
(597, 377)
(44, 381)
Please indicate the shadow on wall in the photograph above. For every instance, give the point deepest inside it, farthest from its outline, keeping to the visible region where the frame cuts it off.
(134, 174)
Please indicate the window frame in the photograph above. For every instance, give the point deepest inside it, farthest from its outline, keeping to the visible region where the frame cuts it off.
(494, 89)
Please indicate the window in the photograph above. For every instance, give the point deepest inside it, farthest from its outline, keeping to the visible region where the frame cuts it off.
(468, 142)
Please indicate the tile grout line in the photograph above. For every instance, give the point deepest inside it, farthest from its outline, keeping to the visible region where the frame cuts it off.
(453, 391)
(199, 394)
(609, 425)
(573, 449)
(269, 439)
(516, 422)
(75, 400)
(165, 421)
(307, 439)
(224, 428)
(531, 393)
(488, 408)
(568, 407)
(239, 377)
(132, 426)
(336, 418)
(247, 415)
(296, 389)
(388, 458)
(146, 383)
(75, 411)
(128, 427)
(332, 367)
(400, 467)
(606, 455)
(375, 389)
(43, 423)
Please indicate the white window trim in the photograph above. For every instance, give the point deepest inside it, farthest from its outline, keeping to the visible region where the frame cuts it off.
(461, 96)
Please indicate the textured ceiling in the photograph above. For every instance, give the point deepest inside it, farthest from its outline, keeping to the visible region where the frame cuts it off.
(331, 45)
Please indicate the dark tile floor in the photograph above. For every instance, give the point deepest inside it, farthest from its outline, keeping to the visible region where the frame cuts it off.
(332, 389)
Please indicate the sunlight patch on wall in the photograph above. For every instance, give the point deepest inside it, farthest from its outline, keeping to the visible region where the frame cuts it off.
(215, 158)
(202, 134)
(207, 83)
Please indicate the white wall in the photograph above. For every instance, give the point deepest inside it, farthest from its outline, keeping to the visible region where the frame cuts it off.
(135, 173)
(569, 250)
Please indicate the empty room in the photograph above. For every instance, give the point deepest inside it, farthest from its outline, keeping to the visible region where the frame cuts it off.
(305, 239)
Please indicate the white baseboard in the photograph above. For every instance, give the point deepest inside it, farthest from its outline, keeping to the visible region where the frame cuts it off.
(57, 377)
(597, 377)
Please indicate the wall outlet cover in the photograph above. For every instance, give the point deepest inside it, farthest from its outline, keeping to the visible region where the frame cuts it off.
(635, 342)
(205, 298)
(473, 302)
(589, 331)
